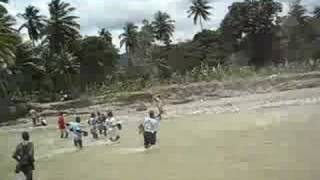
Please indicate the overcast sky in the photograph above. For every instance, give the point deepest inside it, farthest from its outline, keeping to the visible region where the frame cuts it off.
(113, 14)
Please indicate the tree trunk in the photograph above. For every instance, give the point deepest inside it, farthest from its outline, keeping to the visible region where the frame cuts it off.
(129, 57)
(201, 25)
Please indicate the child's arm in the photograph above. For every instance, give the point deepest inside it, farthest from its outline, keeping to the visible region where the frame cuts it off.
(15, 154)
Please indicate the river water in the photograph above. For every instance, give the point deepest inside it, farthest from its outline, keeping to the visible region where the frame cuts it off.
(274, 143)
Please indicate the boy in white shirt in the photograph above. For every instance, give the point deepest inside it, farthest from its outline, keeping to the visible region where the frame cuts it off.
(150, 129)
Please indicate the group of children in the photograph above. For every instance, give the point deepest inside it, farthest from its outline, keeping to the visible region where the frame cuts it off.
(73, 127)
(102, 123)
(99, 123)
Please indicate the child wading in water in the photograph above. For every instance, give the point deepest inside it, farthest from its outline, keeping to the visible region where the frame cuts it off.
(62, 126)
(93, 125)
(77, 132)
(149, 128)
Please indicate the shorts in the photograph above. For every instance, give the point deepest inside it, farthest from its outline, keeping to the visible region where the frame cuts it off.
(149, 138)
(77, 142)
(26, 170)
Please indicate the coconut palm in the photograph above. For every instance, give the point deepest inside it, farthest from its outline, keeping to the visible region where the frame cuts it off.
(8, 40)
(34, 23)
(106, 35)
(129, 38)
(146, 35)
(3, 10)
(200, 11)
(64, 69)
(62, 26)
(163, 27)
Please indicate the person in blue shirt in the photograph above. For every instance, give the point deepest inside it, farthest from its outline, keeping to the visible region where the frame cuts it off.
(75, 128)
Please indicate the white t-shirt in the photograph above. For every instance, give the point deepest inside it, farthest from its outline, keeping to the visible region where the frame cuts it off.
(110, 121)
(151, 125)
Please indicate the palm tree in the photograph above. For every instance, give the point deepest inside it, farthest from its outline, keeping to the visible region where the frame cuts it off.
(8, 41)
(3, 10)
(62, 27)
(129, 38)
(106, 35)
(34, 23)
(64, 69)
(316, 12)
(163, 27)
(146, 35)
(200, 11)
(298, 11)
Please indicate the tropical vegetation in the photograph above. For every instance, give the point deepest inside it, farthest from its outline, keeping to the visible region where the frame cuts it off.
(253, 35)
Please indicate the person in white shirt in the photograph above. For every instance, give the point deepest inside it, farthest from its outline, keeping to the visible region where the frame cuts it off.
(34, 116)
(112, 127)
(150, 128)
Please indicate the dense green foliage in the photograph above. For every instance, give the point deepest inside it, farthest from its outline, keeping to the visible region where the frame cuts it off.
(252, 36)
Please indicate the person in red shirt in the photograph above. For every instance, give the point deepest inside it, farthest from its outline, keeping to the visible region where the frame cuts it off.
(62, 126)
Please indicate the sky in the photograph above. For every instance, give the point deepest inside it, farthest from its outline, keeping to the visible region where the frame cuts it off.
(113, 14)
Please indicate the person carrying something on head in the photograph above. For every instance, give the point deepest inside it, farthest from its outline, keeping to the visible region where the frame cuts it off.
(62, 126)
(24, 155)
(150, 127)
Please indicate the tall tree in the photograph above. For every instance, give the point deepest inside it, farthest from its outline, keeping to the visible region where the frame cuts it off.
(298, 31)
(3, 10)
(98, 58)
(8, 41)
(106, 35)
(64, 69)
(62, 27)
(129, 38)
(163, 27)
(34, 23)
(199, 9)
(252, 21)
(146, 35)
(297, 11)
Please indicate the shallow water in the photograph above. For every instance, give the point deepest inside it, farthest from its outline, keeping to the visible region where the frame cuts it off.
(275, 143)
